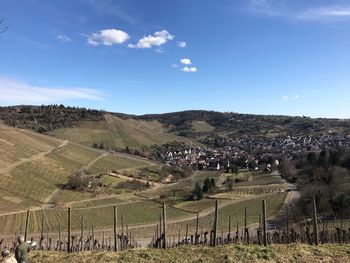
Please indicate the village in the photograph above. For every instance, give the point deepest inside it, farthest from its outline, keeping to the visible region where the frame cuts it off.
(262, 154)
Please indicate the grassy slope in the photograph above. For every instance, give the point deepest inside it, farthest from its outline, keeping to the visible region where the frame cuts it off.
(202, 126)
(115, 132)
(18, 144)
(32, 168)
(229, 253)
(31, 182)
(114, 162)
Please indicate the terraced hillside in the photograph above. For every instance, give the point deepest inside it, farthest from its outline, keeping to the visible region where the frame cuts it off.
(114, 132)
(33, 168)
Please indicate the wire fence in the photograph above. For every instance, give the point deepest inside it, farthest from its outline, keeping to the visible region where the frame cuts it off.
(72, 230)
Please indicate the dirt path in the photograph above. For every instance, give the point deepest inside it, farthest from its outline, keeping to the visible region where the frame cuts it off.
(56, 191)
(35, 157)
(94, 161)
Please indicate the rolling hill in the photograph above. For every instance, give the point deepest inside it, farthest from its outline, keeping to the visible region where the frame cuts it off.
(119, 130)
(117, 133)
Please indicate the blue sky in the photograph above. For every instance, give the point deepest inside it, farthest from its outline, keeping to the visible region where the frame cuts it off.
(288, 57)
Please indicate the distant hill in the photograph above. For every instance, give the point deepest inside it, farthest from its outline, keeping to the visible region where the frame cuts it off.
(119, 130)
(199, 123)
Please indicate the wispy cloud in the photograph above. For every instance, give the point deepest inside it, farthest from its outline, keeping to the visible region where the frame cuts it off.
(15, 92)
(107, 37)
(322, 13)
(286, 9)
(265, 7)
(63, 38)
(156, 40)
(110, 8)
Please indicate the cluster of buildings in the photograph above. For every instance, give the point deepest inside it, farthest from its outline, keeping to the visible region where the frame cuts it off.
(254, 153)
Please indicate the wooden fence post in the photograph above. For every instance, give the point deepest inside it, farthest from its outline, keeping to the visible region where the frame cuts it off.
(93, 237)
(42, 230)
(82, 232)
(315, 222)
(229, 229)
(160, 244)
(245, 226)
(69, 230)
(216, 220)
(59, 236)
(115, 215)
(197, 226)
(287, 230)
(26, 226)
(164, 225)
(264, 223)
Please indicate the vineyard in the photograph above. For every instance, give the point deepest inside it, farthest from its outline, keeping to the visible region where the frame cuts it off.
(133, 207)
(114, 132)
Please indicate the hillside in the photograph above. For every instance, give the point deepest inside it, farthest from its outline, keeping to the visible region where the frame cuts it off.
(196, 123)
(117, 133)
(230, 253)
(119, 130)
(34, 166)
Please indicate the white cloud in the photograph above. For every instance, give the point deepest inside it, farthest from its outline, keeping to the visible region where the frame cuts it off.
(108, 37)
(182, 44)
(159, 38)
(15, 92)
(189, 69)
(186, 61)
(63, 38)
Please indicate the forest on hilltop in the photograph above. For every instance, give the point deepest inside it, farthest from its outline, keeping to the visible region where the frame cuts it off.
(229, 124)
(46, 118)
